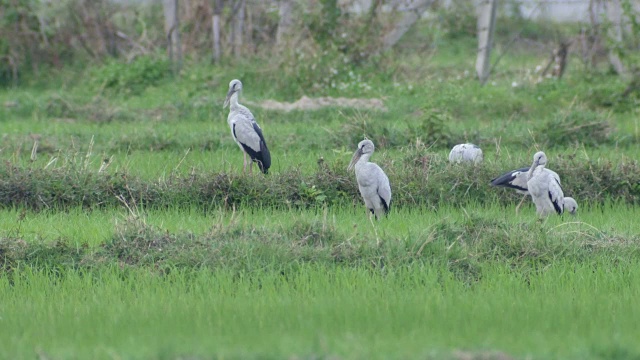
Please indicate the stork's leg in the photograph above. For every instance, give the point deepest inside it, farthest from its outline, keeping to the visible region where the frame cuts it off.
(520, 203)
(244, 166)
(250, 167)
(372, 214)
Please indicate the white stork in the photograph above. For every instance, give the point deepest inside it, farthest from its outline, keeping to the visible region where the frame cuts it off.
(246, 131)
(517, 180)
(372, 181)
(466, 153)
(544, 188)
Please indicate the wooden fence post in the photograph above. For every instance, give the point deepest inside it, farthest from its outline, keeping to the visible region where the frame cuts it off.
(614, 14)
(238, 28)
(284, 23)
(215, 29)
(486, 24)
(172, 31)
(404, 24)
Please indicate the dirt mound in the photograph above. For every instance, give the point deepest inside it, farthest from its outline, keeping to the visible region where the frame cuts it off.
(307, 103)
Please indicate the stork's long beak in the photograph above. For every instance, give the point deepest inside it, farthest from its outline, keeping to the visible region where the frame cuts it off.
(354, 159)
(534, 165)
(226, 101)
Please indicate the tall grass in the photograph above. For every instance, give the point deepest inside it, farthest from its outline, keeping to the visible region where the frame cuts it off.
(250, 240)
(93, 228)
(566, 311)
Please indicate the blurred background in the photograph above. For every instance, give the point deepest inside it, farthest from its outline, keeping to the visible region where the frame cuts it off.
(37, 36)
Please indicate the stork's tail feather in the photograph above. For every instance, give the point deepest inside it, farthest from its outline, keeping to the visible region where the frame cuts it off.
(262, 157)
(386, 206)
(265, 162)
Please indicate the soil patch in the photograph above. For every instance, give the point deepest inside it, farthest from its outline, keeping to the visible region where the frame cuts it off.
(307, 103)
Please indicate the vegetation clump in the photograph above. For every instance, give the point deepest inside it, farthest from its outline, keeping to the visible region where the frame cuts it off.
(430, 125)
(465, 247)
(123, 79)
(427, 180)
(576, 127)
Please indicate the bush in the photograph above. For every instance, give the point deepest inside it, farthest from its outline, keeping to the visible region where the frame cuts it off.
(131, 78)
(575, 127)
(459, 20)
(431, 127)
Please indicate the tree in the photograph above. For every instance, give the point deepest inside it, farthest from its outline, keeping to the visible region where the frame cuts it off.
(172, 31)
(284, 23)
(403, 25)
(237, 28)
(486, 24)
(215, 28)
(614, 15)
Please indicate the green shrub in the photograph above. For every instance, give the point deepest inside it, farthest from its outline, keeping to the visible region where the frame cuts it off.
(430, 125)
(458, 20)
(131, 78)
(578, 126)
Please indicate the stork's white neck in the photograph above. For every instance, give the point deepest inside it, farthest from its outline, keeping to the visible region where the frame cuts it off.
(364, 159)
(233, 101)
(534, 169)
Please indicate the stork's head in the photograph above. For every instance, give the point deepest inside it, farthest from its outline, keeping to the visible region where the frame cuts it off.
(570, 205)
(234, 86)
(364, 147)
(539, 158)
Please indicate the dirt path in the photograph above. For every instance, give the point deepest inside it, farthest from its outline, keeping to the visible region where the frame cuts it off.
(307, 103)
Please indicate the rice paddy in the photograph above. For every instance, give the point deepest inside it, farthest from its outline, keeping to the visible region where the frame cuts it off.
(318, 311)
(130, 232)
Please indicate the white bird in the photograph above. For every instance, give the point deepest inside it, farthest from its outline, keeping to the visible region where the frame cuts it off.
(570, 205)
(372, 181)
(466, 153)
(246, 131)
(517, 180)
(544, 188)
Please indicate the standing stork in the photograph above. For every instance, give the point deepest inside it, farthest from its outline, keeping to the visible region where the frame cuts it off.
(246, 131)
(373, 183)
(544, 188)
(517, 180)
(466, 153)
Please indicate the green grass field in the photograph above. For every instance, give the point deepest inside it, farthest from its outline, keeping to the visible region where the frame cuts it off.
(170, 252)
(566, 311)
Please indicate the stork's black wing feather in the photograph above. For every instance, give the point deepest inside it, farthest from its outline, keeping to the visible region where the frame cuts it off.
(265, 156)
(506, 179)
(385, 205)
(262, 156)
(555, 203)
